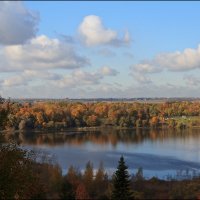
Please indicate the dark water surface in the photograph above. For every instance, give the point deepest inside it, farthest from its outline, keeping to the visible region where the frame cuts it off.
(159, 152)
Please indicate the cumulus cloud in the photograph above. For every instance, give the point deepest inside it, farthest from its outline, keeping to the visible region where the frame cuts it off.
(146, 68)
(40, 53)
(77, 78)
(18, 24)
(180, 61)
(77, 85)
(188, 59)
(41, 75)
(93, 32)
(28, 76)
(80, 78)
(140, 71)
(86, 78)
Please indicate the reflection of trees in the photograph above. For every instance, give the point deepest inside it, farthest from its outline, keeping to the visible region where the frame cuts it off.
(102, 137)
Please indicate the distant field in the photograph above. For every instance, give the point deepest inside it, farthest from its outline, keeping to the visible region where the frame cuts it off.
(125, 100)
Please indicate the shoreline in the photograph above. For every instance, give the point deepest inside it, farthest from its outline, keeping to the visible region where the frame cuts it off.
(98, 128)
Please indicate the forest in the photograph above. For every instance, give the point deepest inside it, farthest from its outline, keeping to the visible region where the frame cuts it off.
(63, 115)
(24, 178)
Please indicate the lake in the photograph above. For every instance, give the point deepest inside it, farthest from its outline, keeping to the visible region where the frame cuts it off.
(160, 153)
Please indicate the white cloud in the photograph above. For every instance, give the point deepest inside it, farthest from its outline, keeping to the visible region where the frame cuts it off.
(107, 71)
(80, 78)
(93, 32)
(17, 24)
(141, 78)
(41, 75)
(28, 76)
(188, 59)
(140, 71)
(77, 78)
(146, 68)
(99, 90)
(105, 90)
(14, 81)
(179, 61)
(40, 53)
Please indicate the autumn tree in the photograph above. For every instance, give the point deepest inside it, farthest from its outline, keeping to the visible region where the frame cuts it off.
(154, 121)
(100, 182)
(81, 192)
(58, 116)
(88, 178)
(138, 178)
(73, 177)
(17, 179)
(4, 110)
(92, 120)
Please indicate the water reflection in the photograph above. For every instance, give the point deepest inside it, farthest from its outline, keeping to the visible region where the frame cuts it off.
(102, 137)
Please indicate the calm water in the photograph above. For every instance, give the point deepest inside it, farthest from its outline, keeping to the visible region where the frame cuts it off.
(159, 152)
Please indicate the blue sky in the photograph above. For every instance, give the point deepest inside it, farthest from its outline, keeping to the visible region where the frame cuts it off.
(99, 49)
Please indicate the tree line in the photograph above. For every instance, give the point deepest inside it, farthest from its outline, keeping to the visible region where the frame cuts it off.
(23, 177)
(62, 115)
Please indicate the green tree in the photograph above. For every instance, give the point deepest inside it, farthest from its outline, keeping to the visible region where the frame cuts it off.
(121, 182)
(67, 191)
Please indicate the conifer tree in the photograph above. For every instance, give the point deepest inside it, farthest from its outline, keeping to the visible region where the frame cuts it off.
(121, 182)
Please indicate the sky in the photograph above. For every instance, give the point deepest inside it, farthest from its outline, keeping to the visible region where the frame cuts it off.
(99, 49)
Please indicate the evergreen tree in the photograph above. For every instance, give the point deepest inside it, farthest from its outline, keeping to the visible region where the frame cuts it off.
(121, 182)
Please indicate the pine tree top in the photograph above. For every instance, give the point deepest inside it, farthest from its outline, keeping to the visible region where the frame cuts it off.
(121, 182)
